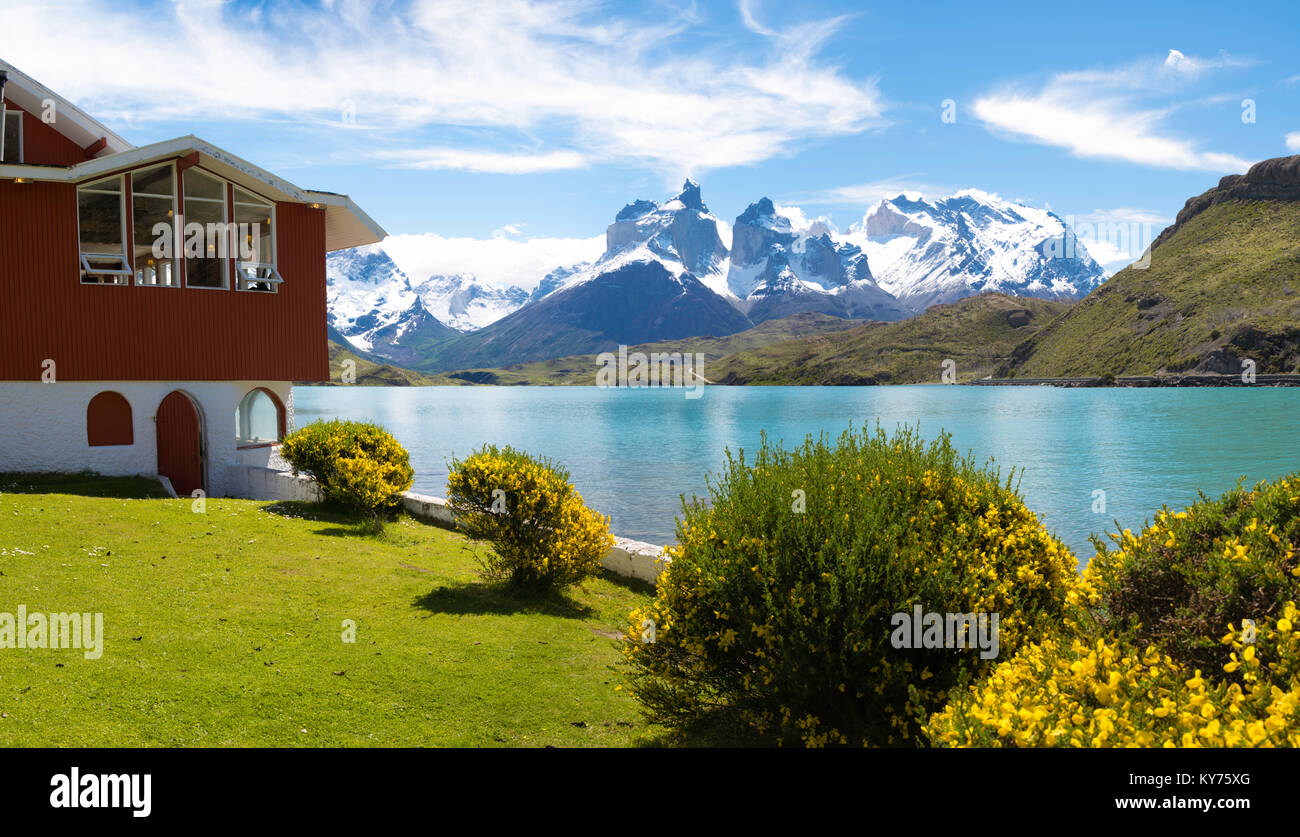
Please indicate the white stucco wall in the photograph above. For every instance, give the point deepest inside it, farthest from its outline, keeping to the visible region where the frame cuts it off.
(43, 426)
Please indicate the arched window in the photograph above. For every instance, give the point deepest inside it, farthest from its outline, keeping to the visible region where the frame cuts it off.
(108, 420)
(259, 419)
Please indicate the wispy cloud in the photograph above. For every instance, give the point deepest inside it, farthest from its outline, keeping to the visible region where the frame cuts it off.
(1293, 141)
(866, 194)
(484, 161)
(572, 79)
(1107, 114)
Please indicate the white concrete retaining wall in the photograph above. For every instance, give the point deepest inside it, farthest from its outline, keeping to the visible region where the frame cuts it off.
(635, 559)
(425, 507)
(257, 483)
(628, 558)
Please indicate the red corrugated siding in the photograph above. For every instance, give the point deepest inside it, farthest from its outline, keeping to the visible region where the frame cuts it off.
(45, 146)
(106, 332)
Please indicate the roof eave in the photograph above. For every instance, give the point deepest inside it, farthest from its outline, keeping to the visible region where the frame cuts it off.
(78, 126)
(347, 225)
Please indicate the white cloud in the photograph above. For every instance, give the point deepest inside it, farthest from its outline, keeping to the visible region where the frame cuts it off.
(542, 74)
(868, 194)
(1098, 114)
(1117, 237)
(802, 221)
(484, 161)
(1191, 66)
(1293, 141)
(498, 261)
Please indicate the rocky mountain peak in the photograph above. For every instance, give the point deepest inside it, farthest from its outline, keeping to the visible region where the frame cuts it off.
(690, 196)
(1277, 179)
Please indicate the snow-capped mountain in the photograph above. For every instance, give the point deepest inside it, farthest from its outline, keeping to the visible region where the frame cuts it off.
(465, 304)
(379, 309)
(926, 252)
(555, 280)
(775, 270)
(666, 273)
(662, 277)
(681, 235)
(366, 292)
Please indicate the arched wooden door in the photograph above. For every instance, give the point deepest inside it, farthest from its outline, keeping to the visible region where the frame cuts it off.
(180, 451)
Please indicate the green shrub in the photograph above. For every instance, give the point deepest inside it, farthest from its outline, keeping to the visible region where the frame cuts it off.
(1188, 575)
(358, 465)
(773, 620)
(1161, 653)
(544, 536)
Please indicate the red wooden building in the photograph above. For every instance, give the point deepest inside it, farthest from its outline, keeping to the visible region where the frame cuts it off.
(156, 302)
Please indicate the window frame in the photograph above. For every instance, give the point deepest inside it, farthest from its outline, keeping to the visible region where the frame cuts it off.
(271, 269)
(281, 419)
(177, 247)
(17, 115)
(226, 215)
(84, 257)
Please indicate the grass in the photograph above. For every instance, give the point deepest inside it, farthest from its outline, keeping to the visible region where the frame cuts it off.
(86, 483)
(224, 628)
(977, 333)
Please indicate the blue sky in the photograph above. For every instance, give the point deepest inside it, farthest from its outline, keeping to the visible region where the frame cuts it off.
(497, 137)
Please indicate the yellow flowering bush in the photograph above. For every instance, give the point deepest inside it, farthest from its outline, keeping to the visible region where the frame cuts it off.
(1072, 693)
(1184, 635)
(1178, 582)
(358, 465)
(772, 620)
(542, 533)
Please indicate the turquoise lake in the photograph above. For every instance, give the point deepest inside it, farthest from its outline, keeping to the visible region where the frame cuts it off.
(632, 452)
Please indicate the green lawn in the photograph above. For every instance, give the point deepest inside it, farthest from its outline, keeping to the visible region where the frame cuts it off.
(225, 628)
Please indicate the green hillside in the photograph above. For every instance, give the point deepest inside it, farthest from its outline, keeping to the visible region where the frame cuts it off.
(371, 372)
(1222, 287)
(977, 333)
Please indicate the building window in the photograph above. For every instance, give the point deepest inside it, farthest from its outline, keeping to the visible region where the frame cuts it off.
(206, 256)
(108, 420)
(101, 220)
(259, 419)
(13, 137)
(153, 203)
(255, 230)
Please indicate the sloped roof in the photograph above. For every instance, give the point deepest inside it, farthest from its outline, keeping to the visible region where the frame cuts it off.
(73, 122)
(346, 224)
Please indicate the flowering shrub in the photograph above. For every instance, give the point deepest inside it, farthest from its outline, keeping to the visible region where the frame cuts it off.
(773, 618)
(1188, 574)
(1147, 661)
(543, 535)
(358, 465)
(1071, 693)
